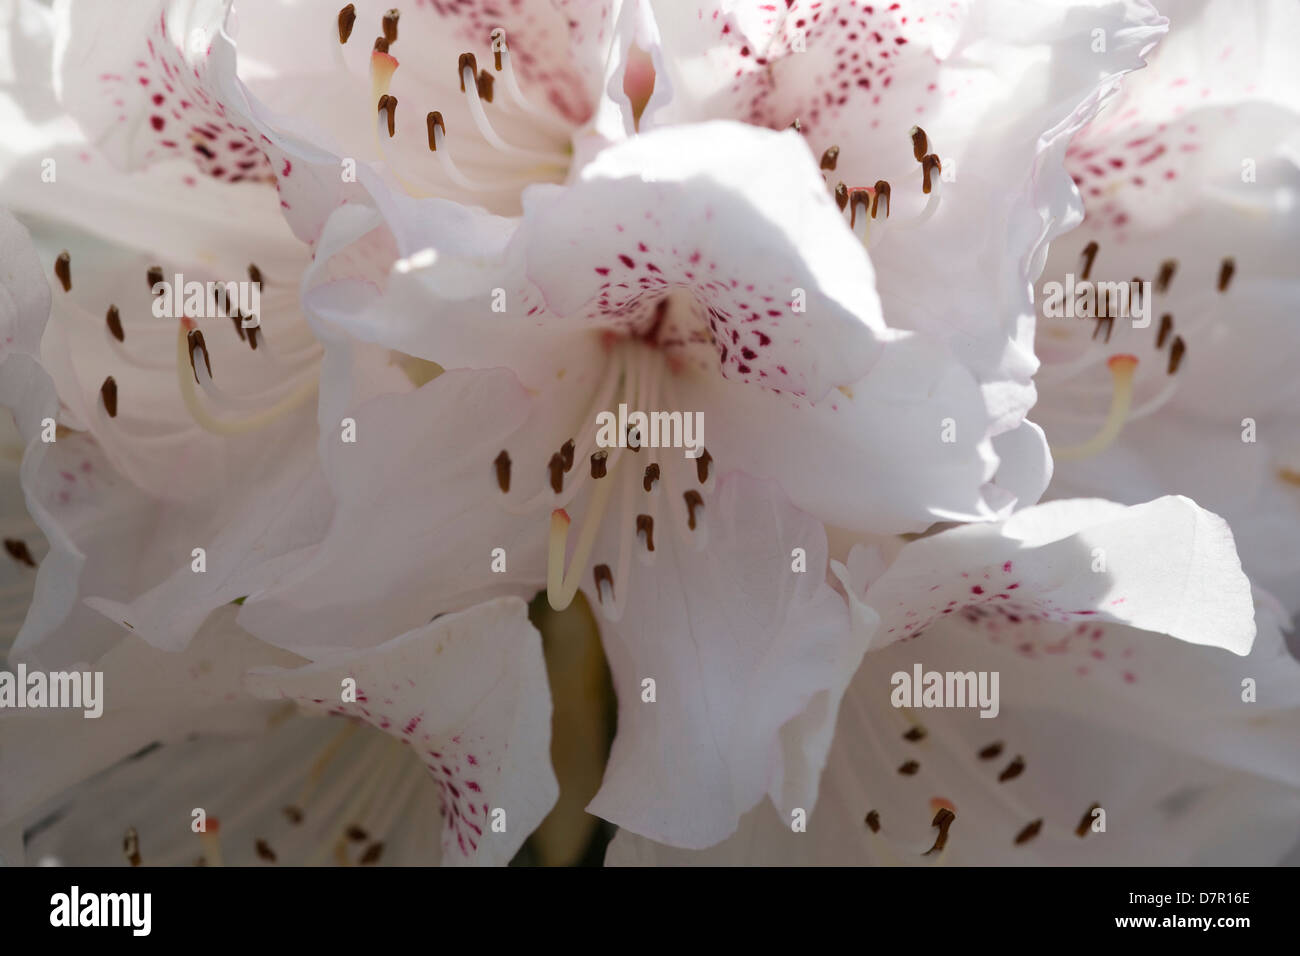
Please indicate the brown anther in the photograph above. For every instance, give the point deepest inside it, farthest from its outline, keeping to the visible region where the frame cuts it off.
(1012, 770)
(108, 392)
(434, 122)
(254, 273)
(155, 275)
(794, 125)
(372, 854)
(841, 195)
(920, 144)
(390, 25)
(909, 768)
(991, 751)
(882, 189)
(858, 197)
(702, 466)
(502, 465)
(264, 851)
(943, 820)
(631, 431)
(1226, 269)
(556, 467)
(466, 60)
(131, 846)
(914, 734)
(651, 476)
(830, 158)
(645, 523)
(381, 45)
(873, 821)
(114, 320)
(238, 321)
(1166, 274)
(566, 452)
(930, 164)
(195, 342)
(355, 833)
(347, 20)
(17, 550)
(1166, 326)
(498, 38)
(1089, 256)
(693, 501)
(293, 814)
(484, 83)
(599, 460)
(1085, 821)
(1176, 352)
(388, 105)
(253, 332)
(603, 575)
(1029, 832)
(63, 270)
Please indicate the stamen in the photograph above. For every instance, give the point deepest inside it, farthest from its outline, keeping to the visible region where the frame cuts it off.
(603, 576)
(702, 466)
(108, 396)
(388, 109)
(566, 453)
(1176, 352)
(693, 500)
(131, 846)
(909, 768)
(599, 460)
(841, 195)
(1012, 770)
(63, 270)
(1088, 257)
(17, 550)
(390, 25)
(1029, 832)
(1085, 822)
(264, 851)
(556, 468)
(468, 69)
(381, 45)
(992, 751)
(920, 143)
(154, 276)
(114, 321)
(943, 820)
(194, 341)
(650, 482)
(347, 20)
(1166, 326)
(914, 734)
(830, 158)
(1167, 269)
(645, 531)
(501, 62)
(882, 191)
(930, 164)
(1226, 269)
(502, 464)
(1122, 369)
(437, 134)
(872, 821)
(560, 522)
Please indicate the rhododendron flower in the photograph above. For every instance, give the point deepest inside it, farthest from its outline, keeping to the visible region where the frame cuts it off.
(1111, 743)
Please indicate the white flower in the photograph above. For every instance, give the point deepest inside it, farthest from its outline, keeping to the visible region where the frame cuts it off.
(458, 772)
(1190, 181)
(1189, 753)
(698, 267)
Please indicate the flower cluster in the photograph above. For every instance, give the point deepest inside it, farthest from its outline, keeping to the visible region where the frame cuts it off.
(405, 398)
